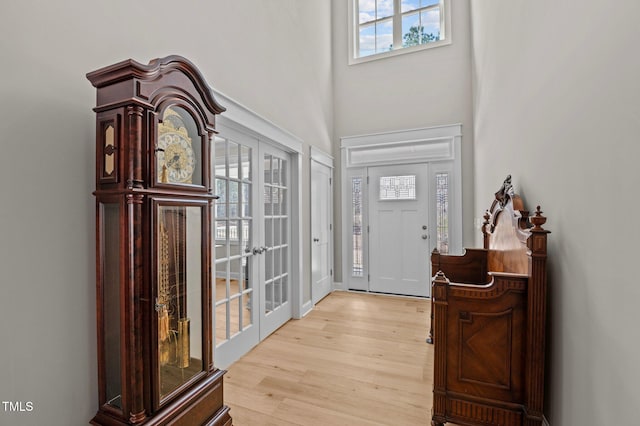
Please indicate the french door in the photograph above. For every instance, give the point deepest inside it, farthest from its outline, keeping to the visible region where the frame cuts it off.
(274, 261)
(251, 269)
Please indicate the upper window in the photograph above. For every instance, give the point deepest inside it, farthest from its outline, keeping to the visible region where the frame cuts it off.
(381, 28)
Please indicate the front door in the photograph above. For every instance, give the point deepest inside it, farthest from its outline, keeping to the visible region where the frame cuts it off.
(251, 234)
(398, 229)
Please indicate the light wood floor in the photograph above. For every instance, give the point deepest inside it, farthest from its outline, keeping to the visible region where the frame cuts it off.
(356, 359)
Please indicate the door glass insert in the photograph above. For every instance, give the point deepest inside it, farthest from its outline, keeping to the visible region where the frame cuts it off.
(357, 265)
(233, 287)
(179, 295)
(442, 211)
(397, 188)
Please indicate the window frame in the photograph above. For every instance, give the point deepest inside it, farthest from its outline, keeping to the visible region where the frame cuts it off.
(354, 32)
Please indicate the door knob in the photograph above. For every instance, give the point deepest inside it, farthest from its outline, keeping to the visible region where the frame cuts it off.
(425, 236)
(424, 227)
(258, 250)
(316, 240)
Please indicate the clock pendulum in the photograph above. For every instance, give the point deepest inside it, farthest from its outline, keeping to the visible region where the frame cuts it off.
(164, 296)
(183, 343)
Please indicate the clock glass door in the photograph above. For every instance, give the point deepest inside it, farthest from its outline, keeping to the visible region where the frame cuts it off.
(178, 295)
(179, 149)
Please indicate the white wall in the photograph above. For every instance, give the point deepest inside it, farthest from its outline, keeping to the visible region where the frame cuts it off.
(427, 88)
(556, 103)
(274, 57)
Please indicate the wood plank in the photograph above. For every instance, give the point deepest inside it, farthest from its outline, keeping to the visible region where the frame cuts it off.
(356, 359)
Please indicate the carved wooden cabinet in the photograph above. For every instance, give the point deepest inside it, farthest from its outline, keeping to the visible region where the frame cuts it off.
(489, 322)
(153, 245)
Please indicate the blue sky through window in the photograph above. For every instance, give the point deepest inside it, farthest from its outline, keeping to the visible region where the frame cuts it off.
(370, 10)
(408, 5)
(376, 37)
(376, 21)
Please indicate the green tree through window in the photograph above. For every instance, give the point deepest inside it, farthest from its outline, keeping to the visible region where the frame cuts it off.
(417, 35)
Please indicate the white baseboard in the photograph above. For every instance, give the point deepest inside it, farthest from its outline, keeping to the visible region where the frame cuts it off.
(306, 308)
(338, 286)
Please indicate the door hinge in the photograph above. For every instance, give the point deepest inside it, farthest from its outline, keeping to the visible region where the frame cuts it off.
(368, 277)
(329, 181)
(368, 229)
(330, 227)
(331, 272)
(367, 180)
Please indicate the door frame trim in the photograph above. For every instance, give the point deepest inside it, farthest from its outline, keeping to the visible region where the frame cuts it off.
(434, 145)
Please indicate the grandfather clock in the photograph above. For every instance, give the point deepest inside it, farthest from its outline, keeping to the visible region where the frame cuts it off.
(153, 245)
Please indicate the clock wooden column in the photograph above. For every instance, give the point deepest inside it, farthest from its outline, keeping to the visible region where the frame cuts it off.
(154, 246)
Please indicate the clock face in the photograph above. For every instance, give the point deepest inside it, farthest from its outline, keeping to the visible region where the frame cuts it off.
(175, 155)
(176, 160)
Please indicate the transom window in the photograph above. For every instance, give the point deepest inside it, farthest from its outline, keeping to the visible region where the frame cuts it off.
(382, 28)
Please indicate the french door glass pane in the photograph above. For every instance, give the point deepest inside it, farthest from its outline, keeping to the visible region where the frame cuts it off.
(283, 173)
(245, 161)
(246, 203)
(233, 199)
(276, 232)
(267, 169)
(235, 315)
(234, 152)
(268, 265)
(221, 323)
(268, 290)
(220, 156)
(277, 292)
(246, 310)
(283, 201)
